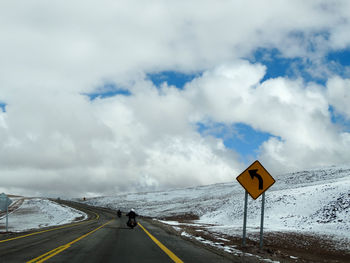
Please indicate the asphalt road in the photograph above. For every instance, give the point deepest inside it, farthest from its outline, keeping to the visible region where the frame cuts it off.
(103, 238)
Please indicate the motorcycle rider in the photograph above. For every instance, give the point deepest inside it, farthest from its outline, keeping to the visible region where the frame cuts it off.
(132, 218)
(119, 213)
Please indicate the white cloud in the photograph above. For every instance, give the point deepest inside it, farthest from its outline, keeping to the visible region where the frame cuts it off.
(291, 110)
(149, 140)
(338, 91)
(54, 139)
(107, 40)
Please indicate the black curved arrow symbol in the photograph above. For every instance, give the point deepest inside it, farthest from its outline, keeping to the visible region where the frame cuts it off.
(253, 173)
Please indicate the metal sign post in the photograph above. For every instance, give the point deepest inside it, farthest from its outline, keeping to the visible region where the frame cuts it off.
(262, 220)
(245, 218)
(7, 218)
(255, 180)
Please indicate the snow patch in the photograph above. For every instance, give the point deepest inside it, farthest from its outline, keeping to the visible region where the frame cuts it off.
(38, 213)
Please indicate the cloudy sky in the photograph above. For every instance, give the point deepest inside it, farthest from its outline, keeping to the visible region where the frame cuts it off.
(101, 97)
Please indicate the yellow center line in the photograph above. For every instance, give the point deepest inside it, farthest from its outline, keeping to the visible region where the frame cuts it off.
(164, 248)
(59, 249)
(48, 230)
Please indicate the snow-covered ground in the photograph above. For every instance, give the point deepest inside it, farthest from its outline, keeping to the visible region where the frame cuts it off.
(37, 213)
(309, 202)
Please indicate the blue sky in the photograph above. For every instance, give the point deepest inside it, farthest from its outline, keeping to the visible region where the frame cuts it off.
(297, 67)
(241, 137)
(342, 57)
(279, 66)
(172, 78)
(340, 120)
(3, 106)
(108, 90)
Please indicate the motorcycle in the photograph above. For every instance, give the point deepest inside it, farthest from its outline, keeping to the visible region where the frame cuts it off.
(119, 213)
(131, 223)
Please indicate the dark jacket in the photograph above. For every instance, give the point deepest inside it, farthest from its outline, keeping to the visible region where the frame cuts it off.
(132, 214)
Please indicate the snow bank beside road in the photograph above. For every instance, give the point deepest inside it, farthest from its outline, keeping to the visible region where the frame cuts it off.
(314, 202)
(38, 213)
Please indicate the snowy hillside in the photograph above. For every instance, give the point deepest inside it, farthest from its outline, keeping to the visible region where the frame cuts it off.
(314, 201)
(36, 213)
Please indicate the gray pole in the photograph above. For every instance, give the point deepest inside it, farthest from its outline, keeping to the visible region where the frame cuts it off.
(7, 217)
(262, 220)
(245, 217)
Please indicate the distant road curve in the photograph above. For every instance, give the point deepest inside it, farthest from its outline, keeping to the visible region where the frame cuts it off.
(102, 238)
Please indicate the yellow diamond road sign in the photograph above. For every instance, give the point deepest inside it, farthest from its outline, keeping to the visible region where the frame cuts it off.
(255, 179)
